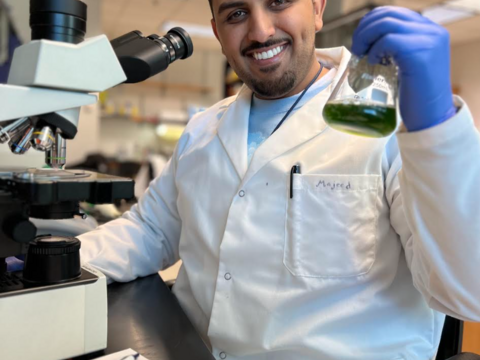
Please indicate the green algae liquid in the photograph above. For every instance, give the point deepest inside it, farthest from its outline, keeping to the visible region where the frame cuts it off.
(369, 120)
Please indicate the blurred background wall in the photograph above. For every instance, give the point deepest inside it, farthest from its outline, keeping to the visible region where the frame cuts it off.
(466, 74)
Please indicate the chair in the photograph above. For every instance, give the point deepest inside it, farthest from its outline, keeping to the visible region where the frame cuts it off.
(451, 342)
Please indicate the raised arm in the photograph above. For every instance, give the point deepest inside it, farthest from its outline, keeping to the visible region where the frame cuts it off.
(434, 196)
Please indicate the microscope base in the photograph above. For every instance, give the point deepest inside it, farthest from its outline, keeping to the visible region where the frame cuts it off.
(54, 324)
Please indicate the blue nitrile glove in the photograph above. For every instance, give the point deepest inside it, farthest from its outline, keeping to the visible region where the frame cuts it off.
(14, 264)
(421, 50)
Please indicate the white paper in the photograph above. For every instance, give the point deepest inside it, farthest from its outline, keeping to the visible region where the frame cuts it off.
(121, 354)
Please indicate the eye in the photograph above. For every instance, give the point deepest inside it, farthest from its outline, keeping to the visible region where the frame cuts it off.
(236, 15)
(277, 3)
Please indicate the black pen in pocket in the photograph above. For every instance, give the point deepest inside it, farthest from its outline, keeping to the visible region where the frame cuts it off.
(295, 170)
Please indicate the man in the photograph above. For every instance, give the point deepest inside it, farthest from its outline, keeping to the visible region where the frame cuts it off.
(364, 269)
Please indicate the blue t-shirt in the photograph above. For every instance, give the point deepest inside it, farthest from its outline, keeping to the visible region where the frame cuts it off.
(266, 114)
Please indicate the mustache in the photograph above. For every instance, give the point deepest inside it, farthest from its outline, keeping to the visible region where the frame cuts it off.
(269, 43)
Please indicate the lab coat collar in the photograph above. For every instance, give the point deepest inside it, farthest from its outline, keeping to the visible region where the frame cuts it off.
(302, 126)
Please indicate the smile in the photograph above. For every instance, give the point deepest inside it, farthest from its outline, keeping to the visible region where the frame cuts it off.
(265, 55)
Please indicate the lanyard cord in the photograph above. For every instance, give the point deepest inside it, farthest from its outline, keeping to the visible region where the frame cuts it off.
(298, 100)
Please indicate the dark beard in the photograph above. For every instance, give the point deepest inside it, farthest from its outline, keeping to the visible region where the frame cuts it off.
(274, 88)
(277, 86)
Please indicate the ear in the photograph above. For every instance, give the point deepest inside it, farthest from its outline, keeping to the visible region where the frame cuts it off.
(214, 28)
(319, 8)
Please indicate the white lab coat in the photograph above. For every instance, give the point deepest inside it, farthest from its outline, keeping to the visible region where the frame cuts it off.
(358, 265)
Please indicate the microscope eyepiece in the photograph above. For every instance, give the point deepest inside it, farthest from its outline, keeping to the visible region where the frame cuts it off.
(58, 20)
(143, 57)
(181, 41)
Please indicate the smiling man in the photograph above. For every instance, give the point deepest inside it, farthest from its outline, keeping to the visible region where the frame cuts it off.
(300, 242)
(270, 43)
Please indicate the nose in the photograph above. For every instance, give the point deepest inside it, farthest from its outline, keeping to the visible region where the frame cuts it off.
(261, 27)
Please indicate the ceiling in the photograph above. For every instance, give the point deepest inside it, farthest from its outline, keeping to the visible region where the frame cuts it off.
(121, 16)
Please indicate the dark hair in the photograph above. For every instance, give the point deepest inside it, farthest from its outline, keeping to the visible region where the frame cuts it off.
(211, 6)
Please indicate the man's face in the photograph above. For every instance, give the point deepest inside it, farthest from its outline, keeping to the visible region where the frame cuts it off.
(269, 43)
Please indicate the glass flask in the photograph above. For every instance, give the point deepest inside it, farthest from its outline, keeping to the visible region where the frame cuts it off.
(364, 102)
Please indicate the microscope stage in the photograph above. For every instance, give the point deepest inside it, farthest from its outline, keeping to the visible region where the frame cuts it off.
(49, 186)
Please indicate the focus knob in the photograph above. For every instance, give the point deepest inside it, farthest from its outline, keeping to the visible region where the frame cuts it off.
(20, 230)
(52, 260)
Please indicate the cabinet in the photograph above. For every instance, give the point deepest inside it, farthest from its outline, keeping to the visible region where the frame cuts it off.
(471, 338)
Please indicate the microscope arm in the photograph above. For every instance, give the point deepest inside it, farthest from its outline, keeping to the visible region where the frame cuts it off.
(36, 101)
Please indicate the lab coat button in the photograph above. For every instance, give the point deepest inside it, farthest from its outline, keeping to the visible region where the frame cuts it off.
(241, 193)
(223, 355)
(228, 276)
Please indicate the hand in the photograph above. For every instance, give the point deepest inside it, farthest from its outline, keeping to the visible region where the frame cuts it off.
(421, 50)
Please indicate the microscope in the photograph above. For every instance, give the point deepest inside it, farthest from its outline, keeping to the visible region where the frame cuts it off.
(55, 308)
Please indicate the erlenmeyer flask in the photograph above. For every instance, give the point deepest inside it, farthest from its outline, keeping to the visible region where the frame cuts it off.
(364, 101)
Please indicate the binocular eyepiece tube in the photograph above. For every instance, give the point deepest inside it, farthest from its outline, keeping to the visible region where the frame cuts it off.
(143, 57)
(140, 57)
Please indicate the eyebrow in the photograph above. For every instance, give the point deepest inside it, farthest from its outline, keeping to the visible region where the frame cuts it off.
(229, 5)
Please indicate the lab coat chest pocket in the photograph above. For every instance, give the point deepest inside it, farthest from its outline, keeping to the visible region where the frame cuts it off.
(331, 225)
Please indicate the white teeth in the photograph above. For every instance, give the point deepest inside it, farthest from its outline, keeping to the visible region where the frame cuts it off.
(268, 54)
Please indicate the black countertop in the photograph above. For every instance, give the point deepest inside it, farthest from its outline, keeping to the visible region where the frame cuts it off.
(144, 315)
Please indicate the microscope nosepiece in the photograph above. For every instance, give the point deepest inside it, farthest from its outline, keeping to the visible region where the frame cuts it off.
(20, 142)
(43, 138)
(56, 156)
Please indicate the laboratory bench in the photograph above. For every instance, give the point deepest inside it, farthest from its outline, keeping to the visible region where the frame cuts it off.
(145, 316)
